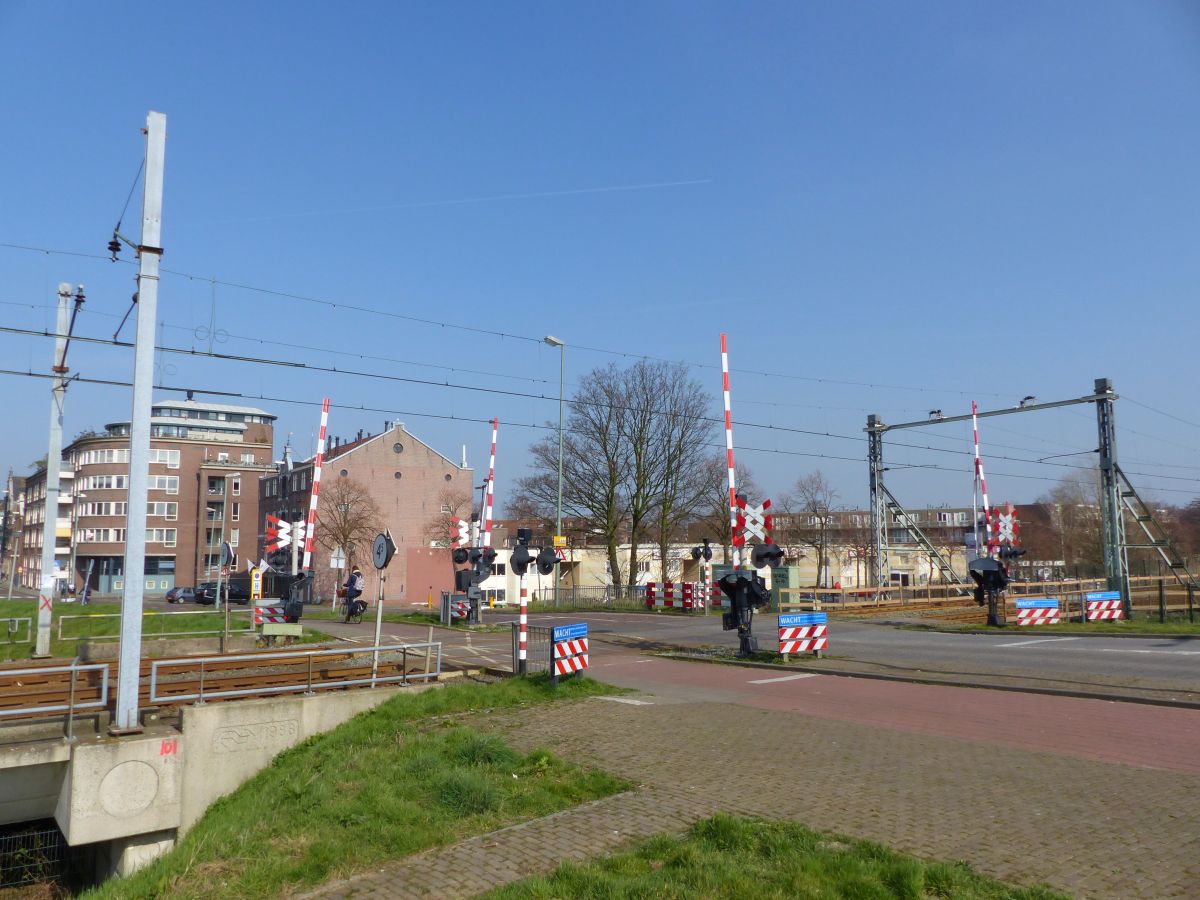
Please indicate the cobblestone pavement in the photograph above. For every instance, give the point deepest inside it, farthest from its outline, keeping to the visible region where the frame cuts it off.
(1091, 828)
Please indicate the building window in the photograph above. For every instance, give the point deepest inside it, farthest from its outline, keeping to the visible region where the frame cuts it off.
(498, 569)
(248, 458)
(446, 508)
(233, 537)
(237, 487)
(396, 475)
(236, 512)
(222, 457)
(168, 483)
(343, 473)
(397, 447)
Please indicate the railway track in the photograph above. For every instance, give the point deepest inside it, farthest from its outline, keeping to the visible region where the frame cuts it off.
(253, 675)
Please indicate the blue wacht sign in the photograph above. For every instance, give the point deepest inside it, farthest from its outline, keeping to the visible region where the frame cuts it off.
(1102, 595)
(570, 632)
(812, 618)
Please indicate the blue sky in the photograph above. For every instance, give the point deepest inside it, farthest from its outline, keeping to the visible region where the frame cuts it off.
(933, 202)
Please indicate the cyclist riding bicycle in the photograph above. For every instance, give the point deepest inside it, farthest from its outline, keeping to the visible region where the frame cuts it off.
(354, 586)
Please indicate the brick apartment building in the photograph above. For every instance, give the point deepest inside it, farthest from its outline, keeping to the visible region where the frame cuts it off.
(409, 481)
(10, 535)
(205, 463)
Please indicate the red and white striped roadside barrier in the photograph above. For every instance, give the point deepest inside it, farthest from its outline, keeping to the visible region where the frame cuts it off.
(1104, 606)
(272, 614)
(674, 595)
(568, 651)
(803, 633)
(1104, 610)
(1038, 612)
(570, 656)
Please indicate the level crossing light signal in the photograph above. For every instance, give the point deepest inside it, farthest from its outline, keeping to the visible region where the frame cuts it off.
(546, 561)
(746, 592)
(521, 558)
(704, 553)
(764, 555)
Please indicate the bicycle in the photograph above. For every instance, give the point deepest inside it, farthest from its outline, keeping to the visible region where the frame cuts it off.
(352, 612)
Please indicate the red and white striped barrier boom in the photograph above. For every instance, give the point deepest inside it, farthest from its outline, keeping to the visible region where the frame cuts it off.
(737, 539)
(318, 463)
(987, 515)
(491, 487)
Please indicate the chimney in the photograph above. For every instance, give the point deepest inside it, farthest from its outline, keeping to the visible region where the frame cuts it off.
(359, 434)
(464, 462)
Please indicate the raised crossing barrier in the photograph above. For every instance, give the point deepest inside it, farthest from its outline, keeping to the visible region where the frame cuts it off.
(803, 632)
(568, 651)
(1103, 606)
(1043, 611)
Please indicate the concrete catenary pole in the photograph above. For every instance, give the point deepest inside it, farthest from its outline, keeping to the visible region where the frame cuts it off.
(149, 253)
(58, 395)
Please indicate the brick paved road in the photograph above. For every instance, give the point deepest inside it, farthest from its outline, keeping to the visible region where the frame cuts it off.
(1074, 793)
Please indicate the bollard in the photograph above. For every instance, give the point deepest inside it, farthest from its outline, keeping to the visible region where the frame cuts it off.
(1162, 602)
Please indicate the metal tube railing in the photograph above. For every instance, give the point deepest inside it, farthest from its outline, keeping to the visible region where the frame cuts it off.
(14, 624)
(70, 706)
(299, 656)
(162, 617)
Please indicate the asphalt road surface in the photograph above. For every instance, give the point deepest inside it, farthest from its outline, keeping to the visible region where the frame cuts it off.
(1149, 667)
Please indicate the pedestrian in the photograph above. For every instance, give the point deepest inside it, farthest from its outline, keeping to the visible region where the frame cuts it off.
(354, 586)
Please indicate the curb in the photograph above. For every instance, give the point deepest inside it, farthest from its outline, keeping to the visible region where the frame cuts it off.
(936, 682)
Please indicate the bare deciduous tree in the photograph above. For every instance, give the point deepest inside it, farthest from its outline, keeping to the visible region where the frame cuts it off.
(348, 517)
(627, 433)
(713, 509)
(453, 501)
(809, 513)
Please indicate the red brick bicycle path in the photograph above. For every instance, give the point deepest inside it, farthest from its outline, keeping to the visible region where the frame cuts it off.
(1096, 799)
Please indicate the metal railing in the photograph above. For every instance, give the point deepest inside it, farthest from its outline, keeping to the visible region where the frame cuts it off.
(310, 685)
(537, 647)
(597, 597)
(14, 626)
(149, 616)
(71, 706)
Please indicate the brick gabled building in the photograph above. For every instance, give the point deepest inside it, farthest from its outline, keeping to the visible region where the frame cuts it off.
(409, 481)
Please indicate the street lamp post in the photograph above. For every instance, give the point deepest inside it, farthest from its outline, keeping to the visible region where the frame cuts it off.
(562, 356)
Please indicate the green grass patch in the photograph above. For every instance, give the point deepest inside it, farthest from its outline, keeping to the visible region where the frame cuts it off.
(156, 624)
(730, 857)
(416, 617)
(389, 783)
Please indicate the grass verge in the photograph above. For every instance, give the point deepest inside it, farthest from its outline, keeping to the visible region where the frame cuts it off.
(734, 857)
(156, 624)
(416, 617)
(389, 783)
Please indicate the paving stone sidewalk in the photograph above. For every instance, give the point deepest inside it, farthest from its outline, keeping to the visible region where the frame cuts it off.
(1088, 828)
